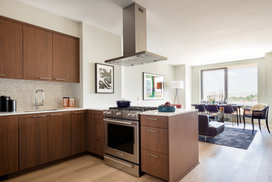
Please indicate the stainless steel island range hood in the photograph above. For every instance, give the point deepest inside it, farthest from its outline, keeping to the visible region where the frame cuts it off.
(134, 39)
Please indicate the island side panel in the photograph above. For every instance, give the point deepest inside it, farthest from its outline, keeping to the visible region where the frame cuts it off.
(183, 144)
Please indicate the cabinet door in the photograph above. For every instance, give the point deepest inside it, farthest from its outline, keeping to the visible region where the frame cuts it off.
(8, 144)
(78, 131)
(32, 140)
(37, 53)
(96, 133)
(59, 135)
(11, 64)
(97, 124)
(65, 58)
(97, 145)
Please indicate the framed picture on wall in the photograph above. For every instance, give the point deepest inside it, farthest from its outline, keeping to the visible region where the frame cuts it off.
(152, 86)
(104, 79)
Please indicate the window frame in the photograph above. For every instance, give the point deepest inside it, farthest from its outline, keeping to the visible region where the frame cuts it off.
(225, 80)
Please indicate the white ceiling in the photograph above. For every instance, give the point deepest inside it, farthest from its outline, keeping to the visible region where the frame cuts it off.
(194, 32)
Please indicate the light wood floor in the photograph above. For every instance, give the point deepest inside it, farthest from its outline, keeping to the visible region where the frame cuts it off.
(217, 164)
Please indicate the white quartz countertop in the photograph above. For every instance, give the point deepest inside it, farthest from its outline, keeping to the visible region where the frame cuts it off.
(177, 112)
(46, 111)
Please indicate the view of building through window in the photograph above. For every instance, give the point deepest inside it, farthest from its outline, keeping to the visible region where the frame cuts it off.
(242, 85)
(213, 85)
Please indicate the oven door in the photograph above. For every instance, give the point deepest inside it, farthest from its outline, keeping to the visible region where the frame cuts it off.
(122, 139)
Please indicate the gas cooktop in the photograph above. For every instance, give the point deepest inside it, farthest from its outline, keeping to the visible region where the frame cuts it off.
(135, 108)
(128, 113)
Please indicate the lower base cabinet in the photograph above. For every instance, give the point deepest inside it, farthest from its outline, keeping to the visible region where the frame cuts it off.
(29, 140)
(78, 126)
(8, 145)
(95, 132)
(59, 135)
(33, 146)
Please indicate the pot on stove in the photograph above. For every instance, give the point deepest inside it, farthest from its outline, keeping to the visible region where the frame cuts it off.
(123, 103)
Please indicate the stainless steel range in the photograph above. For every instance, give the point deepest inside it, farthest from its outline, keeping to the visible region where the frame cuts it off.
(122, 138)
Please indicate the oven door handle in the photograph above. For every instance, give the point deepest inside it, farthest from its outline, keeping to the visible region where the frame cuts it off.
(119, 122)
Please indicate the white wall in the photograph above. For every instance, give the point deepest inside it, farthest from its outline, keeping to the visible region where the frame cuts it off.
(99, 45)
(133, 83)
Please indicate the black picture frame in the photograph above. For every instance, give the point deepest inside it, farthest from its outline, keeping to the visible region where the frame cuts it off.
(98, 78)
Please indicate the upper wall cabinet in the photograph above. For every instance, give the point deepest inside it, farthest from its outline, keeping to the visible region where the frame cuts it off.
(11, 64)
(65, 58)
(37, 53)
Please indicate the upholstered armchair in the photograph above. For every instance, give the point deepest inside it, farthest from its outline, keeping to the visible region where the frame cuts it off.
(259, 111)
(209, 128)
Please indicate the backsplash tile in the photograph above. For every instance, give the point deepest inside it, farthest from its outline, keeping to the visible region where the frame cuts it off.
(23, 91)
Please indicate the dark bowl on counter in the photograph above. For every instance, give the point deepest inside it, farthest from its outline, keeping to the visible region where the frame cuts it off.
(123, 103)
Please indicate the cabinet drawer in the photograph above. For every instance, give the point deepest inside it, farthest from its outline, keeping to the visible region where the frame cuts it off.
(155, 164)
(154, 139)
(154, 121)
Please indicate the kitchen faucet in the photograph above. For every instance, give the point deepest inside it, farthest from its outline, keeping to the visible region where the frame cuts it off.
(36, 99)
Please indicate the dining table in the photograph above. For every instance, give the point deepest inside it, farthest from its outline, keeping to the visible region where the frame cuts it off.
(236, 107)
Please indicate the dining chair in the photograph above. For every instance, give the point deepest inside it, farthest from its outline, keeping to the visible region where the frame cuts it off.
(229, 110)
(259, 112)
(212, 109)
(200, 107)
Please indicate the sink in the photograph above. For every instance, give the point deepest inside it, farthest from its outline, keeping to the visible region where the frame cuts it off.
(40, 110)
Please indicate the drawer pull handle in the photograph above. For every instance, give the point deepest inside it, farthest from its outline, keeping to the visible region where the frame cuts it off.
(152, 155)
(56, 115)
(60, 79)
(2, 74)
(154, 119)
(39, 116)
(152, 131)
(44, 78)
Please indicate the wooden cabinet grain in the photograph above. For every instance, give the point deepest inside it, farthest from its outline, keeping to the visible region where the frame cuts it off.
(96, 133)
(37, 49)
(65, 58)
(11, 63)
(78, 126)
(33, 148)
(169, 145)
(59, 135)
(8, 144)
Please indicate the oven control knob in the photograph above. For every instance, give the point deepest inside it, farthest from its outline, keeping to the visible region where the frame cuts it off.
(118, 113)
(134, 116)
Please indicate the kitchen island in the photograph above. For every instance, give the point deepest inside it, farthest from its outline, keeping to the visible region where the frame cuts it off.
(169, 143)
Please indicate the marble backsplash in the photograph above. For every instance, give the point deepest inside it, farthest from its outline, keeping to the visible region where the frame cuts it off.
(23, 91)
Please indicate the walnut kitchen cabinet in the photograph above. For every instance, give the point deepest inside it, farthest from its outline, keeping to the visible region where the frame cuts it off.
(59, 135)
(8, 145)
(33, 146)
(96, 133)
(65, 58)
(11, 62)
(37, 51)
(169, 144)
(78, 126)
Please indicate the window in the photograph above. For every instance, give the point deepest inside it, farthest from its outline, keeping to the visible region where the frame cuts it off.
(214, 84)
(243, 85)
(236, 84)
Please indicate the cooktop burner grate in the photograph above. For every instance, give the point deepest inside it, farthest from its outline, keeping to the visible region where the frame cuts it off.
(135, 108)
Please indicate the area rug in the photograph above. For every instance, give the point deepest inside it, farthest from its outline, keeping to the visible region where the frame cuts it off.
(232, 137)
